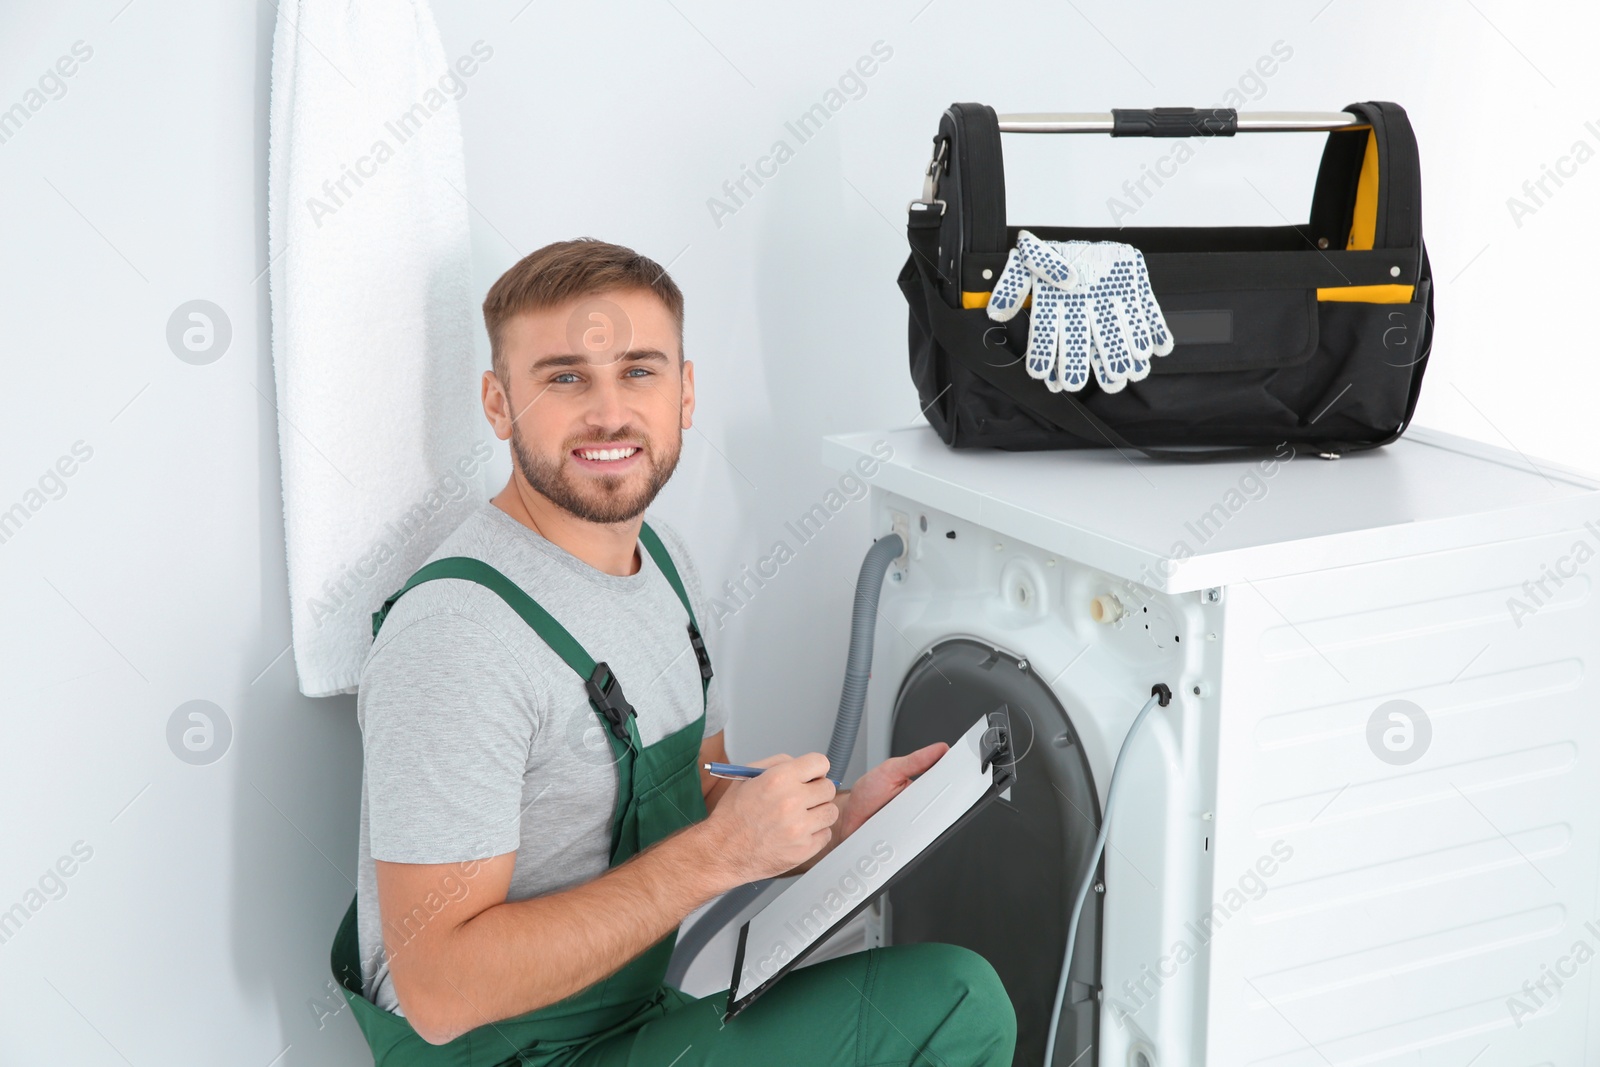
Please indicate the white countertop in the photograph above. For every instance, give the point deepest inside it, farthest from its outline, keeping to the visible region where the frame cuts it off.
(1182, 526)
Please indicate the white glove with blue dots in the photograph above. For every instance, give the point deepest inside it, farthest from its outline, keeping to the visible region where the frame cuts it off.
(1093, 311)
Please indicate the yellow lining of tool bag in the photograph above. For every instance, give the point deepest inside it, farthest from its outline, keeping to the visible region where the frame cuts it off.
(981, 300)
(1364, 226)
(1369, 294)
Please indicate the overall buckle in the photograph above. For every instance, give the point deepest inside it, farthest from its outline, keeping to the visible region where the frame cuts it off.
(605, 693)
(700, 652)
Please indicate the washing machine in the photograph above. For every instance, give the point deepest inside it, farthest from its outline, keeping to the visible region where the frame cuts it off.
(1365, 829)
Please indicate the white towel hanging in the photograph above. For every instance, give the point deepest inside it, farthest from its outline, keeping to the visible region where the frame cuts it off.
(380, 432)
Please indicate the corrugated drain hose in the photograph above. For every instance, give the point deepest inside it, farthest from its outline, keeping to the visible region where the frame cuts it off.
(846, 724)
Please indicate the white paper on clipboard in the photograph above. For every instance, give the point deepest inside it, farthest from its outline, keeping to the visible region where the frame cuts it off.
(869, 860)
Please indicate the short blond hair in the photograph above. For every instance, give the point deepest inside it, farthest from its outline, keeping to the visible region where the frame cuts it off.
(565, 270)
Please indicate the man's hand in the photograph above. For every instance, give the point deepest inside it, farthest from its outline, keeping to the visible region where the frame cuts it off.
(882, 784)
(770, 824)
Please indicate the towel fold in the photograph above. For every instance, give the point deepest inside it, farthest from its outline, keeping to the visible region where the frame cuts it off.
(380, 433)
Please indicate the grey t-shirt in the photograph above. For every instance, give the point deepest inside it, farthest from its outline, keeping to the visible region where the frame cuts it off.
(479, 740)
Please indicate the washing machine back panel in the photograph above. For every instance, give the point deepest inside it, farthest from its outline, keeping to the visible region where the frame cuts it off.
(1407, 820)
(1100, 643)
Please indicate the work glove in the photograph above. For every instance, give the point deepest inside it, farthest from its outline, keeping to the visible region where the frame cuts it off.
(1093, 311)
(1058, 335)
(1125, 322)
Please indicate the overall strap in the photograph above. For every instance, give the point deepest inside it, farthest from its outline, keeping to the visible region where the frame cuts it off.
(475, 570)
(659, 553)
(605, 694)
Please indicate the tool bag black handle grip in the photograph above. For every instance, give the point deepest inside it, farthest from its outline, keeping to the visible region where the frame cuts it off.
(1174, 122)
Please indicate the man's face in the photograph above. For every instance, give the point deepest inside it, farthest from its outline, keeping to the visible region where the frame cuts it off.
(597, 403)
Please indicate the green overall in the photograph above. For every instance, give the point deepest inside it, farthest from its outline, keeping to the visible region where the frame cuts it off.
(916, 1004)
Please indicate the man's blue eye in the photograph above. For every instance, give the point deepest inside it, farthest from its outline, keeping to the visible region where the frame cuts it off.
(639, 370)
(568, 375)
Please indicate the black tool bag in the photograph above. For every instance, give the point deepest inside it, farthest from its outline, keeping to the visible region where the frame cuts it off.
(1315, 333)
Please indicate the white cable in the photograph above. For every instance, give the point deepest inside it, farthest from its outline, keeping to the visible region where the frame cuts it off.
(1088, 880)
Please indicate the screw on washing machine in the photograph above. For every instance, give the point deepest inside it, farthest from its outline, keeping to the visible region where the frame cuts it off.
(897, 576)
(1022, 664)
(1213, 595)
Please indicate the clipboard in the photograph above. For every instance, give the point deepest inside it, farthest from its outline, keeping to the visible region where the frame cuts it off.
(978, 767)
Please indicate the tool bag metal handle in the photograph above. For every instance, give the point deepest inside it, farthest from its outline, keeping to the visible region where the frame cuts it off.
(1176, 122)
(1143, 122)
(976, 161)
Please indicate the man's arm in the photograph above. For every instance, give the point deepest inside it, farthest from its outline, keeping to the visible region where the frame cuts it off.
(479, 958)
(714, 750)
(872, 790)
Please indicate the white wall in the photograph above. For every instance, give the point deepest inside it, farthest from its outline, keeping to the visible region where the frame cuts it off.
(197, 930)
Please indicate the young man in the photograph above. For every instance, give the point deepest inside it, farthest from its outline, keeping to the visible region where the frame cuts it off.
(528, 845)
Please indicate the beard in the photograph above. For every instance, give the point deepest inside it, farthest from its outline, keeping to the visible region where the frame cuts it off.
(606, 499)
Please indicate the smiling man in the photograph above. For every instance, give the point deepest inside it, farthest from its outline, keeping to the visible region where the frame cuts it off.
(535, 711)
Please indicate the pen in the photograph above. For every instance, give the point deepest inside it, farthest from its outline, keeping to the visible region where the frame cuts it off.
(738, 771)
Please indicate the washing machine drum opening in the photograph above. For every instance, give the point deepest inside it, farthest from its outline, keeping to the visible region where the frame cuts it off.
(1001, 886)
